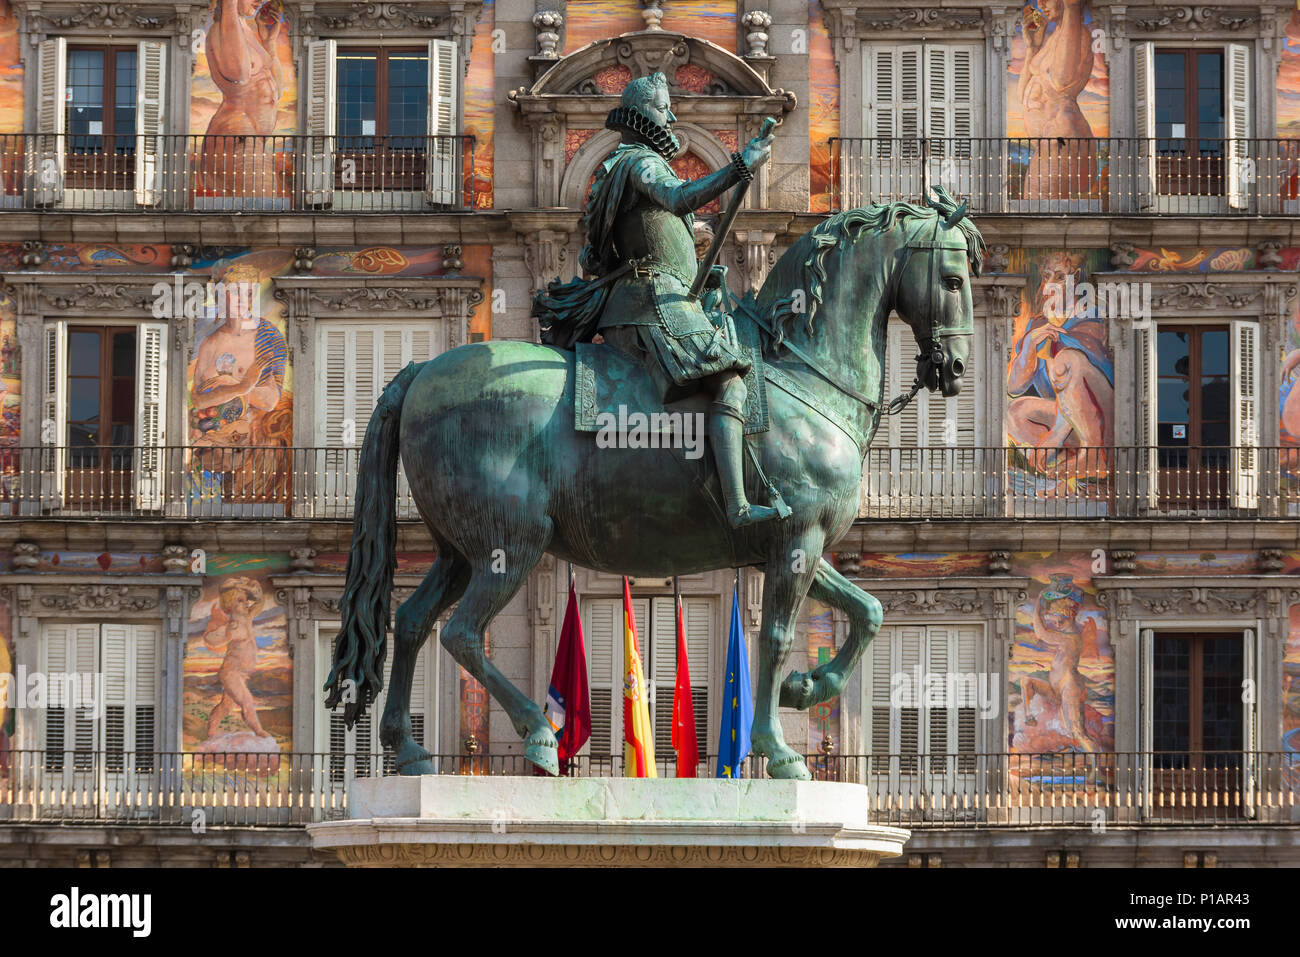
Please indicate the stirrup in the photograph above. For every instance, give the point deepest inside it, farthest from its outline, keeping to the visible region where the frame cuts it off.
(748, 514)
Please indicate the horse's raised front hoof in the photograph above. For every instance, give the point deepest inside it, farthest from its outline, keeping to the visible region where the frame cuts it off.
(546, 758)
(788, 766)
(797, 691)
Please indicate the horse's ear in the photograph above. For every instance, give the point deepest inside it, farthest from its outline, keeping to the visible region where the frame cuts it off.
(957, 216)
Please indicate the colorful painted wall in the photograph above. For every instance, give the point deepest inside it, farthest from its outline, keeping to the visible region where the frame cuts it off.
(586, 21)
(823, 110)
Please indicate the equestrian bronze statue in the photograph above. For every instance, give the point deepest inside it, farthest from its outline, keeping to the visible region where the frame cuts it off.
(505, 461)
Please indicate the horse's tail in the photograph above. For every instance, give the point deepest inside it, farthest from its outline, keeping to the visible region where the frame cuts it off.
(359, 652)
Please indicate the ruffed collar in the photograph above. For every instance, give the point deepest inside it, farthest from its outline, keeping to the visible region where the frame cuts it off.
(658, 138)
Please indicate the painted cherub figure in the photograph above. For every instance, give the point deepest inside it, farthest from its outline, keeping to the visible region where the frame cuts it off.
(231, 628)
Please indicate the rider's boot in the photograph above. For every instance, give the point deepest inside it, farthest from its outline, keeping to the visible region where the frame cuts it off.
(727, 435)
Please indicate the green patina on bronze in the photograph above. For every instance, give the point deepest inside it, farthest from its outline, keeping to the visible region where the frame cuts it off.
(486, 434)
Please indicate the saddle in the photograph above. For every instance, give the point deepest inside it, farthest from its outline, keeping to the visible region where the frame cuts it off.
(609, 382)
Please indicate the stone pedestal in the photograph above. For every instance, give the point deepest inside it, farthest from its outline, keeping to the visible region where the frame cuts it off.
(466, 821)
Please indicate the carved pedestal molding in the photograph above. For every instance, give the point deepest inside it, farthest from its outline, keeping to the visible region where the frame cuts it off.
(24, 555)
(548, 24)
(175, 559)
(1122, 561)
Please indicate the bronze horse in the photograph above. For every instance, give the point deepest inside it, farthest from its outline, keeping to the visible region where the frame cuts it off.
(500, 476)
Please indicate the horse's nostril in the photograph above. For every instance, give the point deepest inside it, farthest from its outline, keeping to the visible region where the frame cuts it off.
(958, 367)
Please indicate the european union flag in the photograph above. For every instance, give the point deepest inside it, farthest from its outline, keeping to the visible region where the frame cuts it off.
(737, 702)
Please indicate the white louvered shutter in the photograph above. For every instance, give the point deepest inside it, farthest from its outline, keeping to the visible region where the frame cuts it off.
(1250, 720)
(443, 187)
(951, 708)
(46, 163)
(71, 737)
(951, 113)
(54, 413)
(1146, 719)
(1144, 102)
(321, 122)
(897, 473)
(909, 660)
(660, 646)
(129, 658)
(602, 631)
(1241, 155)
(1146, 461)
(892, 79)
(151, 415)
(700, 616)
(151, 98)
(1245, 414)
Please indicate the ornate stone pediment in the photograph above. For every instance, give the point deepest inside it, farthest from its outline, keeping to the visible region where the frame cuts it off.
(39, 19)
(1243, 598)
(1192, 19)
(400, 19)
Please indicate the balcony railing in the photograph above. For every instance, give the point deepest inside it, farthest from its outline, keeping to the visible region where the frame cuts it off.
(278, 173)
(1058, 175)
(909, 790)
(995, 482)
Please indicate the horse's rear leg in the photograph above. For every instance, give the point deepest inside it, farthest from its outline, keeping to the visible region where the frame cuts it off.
(488, 593)
(414, 620)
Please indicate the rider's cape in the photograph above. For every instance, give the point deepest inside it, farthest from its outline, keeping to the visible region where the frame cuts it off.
(569, 312)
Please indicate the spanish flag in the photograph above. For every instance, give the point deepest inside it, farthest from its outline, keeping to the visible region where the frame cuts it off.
(638, 739)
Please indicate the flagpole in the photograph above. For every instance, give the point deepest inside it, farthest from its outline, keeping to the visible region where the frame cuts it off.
(677, 610)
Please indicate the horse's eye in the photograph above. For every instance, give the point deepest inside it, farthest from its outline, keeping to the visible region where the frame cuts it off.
(952, 283)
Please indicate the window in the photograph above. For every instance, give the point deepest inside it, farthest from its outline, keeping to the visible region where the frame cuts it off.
(656, 627)
(1199, 399)
(1197, 725)
(355, 361)
(923, 697)
(914, 91)
(78, 736)
(100, 122)
(1194, 123)
(382, 120)
(358, 752)
(925, 457)
(104, 388)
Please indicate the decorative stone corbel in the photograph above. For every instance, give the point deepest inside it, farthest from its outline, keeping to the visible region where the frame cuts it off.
(1268, 255)
(304, 258)
(24, 555)
(33, 254)
(997, 259)
(302, 560)
(175, 559)
(1122, 255)
(452, 263)
(1270, 561)
(848, 564)
(999, 562)
(1123, 561)
(546, 256)
(755, 256)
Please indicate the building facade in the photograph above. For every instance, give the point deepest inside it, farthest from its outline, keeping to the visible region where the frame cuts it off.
(228, 225)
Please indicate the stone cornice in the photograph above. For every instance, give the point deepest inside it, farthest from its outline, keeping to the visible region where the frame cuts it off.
(39, 19)
(391, 21)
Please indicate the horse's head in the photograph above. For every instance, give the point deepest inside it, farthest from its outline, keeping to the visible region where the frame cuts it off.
(932, 290)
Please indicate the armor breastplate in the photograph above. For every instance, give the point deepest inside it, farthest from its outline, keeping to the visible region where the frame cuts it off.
(647, 231)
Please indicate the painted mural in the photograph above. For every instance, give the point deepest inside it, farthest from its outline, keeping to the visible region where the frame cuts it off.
(1061, 669)
(922, 564)
(586, 21)
(823, 110)
(480, 105)
(11, 103)
(11, 401)
(240, 385)
(1288, 81)
(244, 89)
(8, 709)
(1060, 382)
(237, 671)
(109, 563)
(1058, 93)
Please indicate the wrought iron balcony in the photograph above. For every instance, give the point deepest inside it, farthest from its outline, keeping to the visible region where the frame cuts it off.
(909, 790)
(1105, 176)
(955, 483)
(278, 173)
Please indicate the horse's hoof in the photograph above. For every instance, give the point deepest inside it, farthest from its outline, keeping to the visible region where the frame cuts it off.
(788, 768)
(546, 758)
(797, 691)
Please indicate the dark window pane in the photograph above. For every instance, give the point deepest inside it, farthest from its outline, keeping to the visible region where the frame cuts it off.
(356, 94)
(123, 400)
(83, 353)
(124, 354)
(1171, 353)
(1214, 352)
(1214, 400)
(408, 99)
(79, 434)
(1215, 433)
(1169, 685)
(1221, 705)
(1172, 401)
(83, 400)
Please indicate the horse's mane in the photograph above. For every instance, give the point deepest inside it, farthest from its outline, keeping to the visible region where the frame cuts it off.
(802, 269)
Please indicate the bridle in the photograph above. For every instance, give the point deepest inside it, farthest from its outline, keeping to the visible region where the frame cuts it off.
(931, 357)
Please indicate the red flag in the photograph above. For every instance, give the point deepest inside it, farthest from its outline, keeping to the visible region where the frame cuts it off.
(684, 741)
(568, 706)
